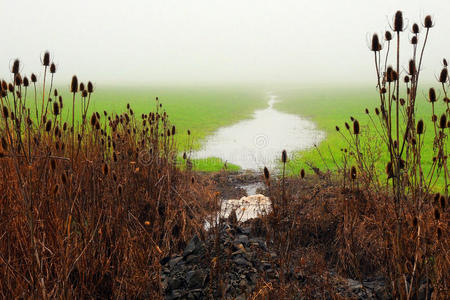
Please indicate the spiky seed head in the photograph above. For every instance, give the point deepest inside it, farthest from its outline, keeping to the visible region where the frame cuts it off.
(11, 88)
(337, 128)
(443, 76)
(74, 84)
(46, 59)
(414, 40)
(390, 74)
(376, 46)
(443, 121)
(33, 78)
(356, 127)
(383, 90)
(402, 101)
(52, 68)
(428, 22)
(347, 126)
(81, 86)
(388, 36)
(188, 132)
(5, 112)
(367, 111)
(302, 173)
(420, 127)
(353, 173)
(432, 95)
(284, 156)
(84, 94)
(389, 170)
(433, 118)
(90, 87)
(15, 67)
(377, 111)
(55, 108)
(65, 126)
(26, 82)
(415, 28)
(48, 126)
(173, 130)
(412, 67)
(406, 79)
(184, 155)
(398, 21)
(266, 174)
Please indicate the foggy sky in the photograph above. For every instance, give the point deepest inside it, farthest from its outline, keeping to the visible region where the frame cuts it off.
(209, 41)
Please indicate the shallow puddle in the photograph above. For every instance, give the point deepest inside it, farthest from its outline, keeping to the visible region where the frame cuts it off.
(258, 142)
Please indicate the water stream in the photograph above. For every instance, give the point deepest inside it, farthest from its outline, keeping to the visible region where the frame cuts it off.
(258, 142)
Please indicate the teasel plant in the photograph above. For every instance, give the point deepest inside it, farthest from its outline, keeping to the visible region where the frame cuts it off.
(71, 177)
(402, 133)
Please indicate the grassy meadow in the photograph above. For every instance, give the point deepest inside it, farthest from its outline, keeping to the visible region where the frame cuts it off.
(331, 107)
(202, 110)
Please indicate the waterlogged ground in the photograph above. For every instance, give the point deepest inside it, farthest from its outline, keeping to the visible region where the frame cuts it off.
(258, 142)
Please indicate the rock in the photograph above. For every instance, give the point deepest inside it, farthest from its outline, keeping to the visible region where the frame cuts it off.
(196, 279)
(242, 239)
(194, 246)
(175, 284)
(174, 261)
(242, 261)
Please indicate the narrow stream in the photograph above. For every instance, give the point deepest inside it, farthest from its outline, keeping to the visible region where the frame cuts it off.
(258, 142)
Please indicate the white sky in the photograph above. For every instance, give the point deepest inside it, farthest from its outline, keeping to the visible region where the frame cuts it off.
(210, 41)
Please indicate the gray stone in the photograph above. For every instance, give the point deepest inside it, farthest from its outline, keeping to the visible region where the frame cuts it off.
(196, 279)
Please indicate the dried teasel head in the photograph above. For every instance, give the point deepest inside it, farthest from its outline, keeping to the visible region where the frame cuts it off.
(74, 84)
(356, 127)
(46, 59)
(414, 40)
(284, 156)
(432, 95)
(48, 126)
(389, 170)
(420, 127)
(353, 173)
(5, 112)
(33, 78)
(388, 36)
(90, 87)
(337, 128)
(428, 22)
(266, 175)
(443, 77)
(443, 121)
(15, 67)
(55, 108)
(375, 46)
(52, 68)
(302, 173)
(415, 28)
(398, 21)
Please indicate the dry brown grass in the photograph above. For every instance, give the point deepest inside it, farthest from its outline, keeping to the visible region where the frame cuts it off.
(89, 212)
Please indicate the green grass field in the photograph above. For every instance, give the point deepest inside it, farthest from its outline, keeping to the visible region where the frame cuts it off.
(328, 107)
(202, 110)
